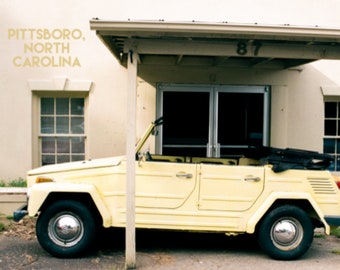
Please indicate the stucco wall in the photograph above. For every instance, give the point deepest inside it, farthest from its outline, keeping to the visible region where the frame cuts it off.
(296, 98)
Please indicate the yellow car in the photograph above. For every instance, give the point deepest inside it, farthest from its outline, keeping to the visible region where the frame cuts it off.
(282, 195)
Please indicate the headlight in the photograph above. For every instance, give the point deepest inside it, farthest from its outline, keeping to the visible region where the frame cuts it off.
(43, 179)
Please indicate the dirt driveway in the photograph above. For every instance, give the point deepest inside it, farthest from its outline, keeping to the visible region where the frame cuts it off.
(19, 249)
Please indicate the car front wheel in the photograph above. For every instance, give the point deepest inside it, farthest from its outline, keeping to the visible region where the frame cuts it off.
(66, 229)
(286, 233)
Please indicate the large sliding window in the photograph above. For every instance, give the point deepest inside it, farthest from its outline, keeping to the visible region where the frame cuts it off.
(212, 121)
(62, 133)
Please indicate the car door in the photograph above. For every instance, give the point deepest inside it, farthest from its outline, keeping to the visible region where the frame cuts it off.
(164, 184)
(229, 188)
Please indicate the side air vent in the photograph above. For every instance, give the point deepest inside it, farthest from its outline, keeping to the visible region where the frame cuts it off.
(322, 186)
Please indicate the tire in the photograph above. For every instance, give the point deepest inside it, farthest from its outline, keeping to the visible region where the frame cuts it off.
(66, 229)
(286, 233)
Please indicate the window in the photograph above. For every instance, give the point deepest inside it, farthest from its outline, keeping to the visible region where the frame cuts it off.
(62, 133)
(231, 118)
(331, 144)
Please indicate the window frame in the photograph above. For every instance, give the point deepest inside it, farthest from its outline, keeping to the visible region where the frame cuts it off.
(58, 137)
(36, 129)
(213, 91)
(336, 137)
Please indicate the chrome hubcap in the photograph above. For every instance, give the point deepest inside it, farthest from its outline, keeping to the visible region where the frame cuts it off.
(65, 229)
(287, 233)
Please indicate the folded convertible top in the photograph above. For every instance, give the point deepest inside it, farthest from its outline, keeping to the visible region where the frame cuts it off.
(285, 159)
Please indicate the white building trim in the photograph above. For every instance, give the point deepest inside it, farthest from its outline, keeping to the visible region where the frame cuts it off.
(60, 84)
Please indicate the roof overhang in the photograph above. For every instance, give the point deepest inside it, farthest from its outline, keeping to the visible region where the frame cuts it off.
(217, 44)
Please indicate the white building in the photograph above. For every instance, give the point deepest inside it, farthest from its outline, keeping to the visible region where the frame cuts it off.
(63, 93)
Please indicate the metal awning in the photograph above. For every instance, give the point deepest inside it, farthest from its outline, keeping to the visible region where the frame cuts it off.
(224, 45)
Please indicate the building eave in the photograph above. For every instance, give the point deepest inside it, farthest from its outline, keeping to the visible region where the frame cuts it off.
(278, 46)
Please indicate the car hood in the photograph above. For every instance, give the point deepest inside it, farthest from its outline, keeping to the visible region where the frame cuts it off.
(78, 165)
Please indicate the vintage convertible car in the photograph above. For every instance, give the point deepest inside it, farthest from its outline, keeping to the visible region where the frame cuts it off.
(282, 195)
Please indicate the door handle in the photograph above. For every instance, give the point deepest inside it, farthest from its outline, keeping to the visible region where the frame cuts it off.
(252, 179)
(184, 175)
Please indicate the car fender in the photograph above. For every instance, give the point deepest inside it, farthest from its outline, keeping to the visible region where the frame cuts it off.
(38, 193)
(263, 209)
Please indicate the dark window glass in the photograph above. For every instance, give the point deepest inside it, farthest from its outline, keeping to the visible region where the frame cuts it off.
(63, 145)
(77, 106)
(62, 125)
(47, 124)
(48, 159)
(62, 105)
(77, 125)
(48, 145)
(78, 145)
(330, 127)
(240, 119)
(47, 106)
(78, 157)
(186, 118)
(330, 109)
(63, 158)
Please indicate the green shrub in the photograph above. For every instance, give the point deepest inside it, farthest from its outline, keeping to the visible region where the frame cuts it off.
(14, 183)
(336, 232)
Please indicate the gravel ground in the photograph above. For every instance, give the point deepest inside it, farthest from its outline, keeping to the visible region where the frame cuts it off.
(19, 249)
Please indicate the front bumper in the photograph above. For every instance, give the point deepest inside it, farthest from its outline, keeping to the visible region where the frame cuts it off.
(20, 213)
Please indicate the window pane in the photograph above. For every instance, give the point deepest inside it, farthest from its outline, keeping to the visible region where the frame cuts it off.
(48, 159)
(337, 164)
(62, 106)
(77, 106)
(63, 158)
(62, 125)
(329, 146)
(337, 147)
(77, 125)
(240, 119)
(47, 145)
(78, 145)
(47, 106)
(78, 157)
(47, 125)
(63, 145)
(180, 118)
(330, 109)
(330, 127)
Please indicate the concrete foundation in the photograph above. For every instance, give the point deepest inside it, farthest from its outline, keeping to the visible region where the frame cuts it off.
(11, 199)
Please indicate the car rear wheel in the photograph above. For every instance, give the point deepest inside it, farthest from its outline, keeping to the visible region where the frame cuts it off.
(66, 229)
(286, 233)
